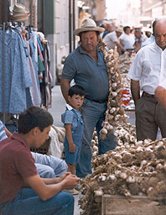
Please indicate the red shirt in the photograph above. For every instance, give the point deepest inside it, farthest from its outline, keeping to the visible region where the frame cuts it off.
(16, 164)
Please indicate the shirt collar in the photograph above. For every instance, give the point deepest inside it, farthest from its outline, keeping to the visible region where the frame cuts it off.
(158, 48)
(69, 107)
(17, 136)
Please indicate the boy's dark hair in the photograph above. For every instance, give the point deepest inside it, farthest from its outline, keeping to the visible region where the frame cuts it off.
(76, 90)
(34, 117)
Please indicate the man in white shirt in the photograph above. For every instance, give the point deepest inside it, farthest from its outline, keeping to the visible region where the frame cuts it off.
(127, 39)
(111, 40)
(146, 73)
(140, 38)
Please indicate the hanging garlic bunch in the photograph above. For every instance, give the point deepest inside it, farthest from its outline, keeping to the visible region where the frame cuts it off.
(114, 113)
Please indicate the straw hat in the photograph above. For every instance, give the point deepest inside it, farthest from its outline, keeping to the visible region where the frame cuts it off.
(138, 27)
(88, 25)
(19, 13)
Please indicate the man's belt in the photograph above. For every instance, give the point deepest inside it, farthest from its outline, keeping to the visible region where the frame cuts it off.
(97, 101)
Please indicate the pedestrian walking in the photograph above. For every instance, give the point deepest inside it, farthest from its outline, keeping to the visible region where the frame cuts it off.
(86, 66)
(112, 40)
(127, 39)
(140, 38)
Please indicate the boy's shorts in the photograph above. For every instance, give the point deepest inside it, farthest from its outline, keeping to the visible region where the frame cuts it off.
(71, 158)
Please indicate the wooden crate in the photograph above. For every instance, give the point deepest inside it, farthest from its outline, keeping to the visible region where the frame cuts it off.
(135, 205)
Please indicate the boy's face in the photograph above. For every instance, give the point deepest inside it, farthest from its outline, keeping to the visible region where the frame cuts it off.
(76, 101)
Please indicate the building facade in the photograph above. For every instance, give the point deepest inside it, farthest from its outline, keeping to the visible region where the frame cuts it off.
(151, 9)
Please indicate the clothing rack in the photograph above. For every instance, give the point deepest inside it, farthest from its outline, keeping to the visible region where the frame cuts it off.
(13, 26)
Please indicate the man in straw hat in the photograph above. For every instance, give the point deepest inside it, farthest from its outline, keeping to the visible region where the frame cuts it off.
(87, 68)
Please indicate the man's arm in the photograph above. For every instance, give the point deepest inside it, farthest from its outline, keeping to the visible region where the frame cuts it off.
(119, 46)
(65, 85)
(68, 129)
(135, 90)
(46, 191)
(55, 180)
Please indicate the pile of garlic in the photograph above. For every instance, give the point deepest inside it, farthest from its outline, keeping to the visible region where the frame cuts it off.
(136, 170)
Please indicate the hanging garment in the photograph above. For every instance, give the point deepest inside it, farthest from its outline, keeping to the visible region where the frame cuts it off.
(15, 75)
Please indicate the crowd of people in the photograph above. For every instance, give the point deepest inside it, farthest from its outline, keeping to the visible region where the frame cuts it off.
(24, 187)
(126, 38)
(147, 73)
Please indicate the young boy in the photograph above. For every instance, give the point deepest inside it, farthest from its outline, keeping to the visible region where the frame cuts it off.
(74, 125)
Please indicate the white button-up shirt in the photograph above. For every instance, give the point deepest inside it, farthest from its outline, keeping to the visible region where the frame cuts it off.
(127, 41)
(110, 40)
(149, 67)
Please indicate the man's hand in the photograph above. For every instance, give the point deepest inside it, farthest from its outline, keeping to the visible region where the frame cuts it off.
(160, 95)
(70, 181)
(72, 148)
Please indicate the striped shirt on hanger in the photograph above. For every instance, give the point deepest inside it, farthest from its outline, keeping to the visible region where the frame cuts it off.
(2, 131)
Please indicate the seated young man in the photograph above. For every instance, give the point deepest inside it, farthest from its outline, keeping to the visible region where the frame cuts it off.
(47, 166)
(23, 191)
